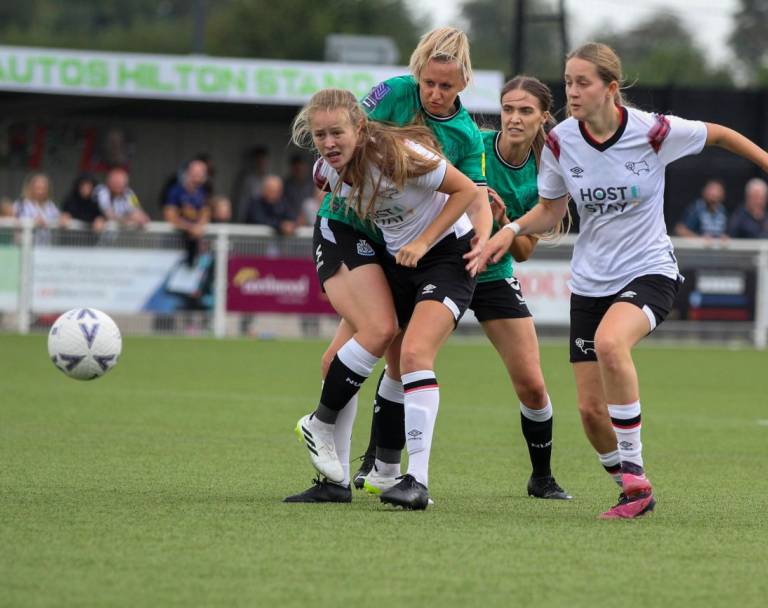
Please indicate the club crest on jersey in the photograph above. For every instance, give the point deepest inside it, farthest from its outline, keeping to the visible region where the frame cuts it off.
(585, 345)
(576, 172)
(638, 167)
(376, 95)
(364, 248)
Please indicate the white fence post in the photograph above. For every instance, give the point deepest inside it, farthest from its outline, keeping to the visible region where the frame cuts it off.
(25, 276)
(220, 283)
(761, 299)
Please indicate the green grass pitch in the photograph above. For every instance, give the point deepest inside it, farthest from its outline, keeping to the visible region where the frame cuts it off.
(161, 485)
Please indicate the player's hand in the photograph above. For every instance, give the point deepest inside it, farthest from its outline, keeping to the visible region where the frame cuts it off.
(473, 255)
(498, 208)
(410, 254)
(496, 247)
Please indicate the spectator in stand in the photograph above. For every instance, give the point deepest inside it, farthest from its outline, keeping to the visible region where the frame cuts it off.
(750, 221)
(311, 206)
(186, 207)
(177, 176)
(221, 209)
(706, 216)
(118, 202)
(268, 208)
(81, 205)
(298, 186)
(36, 204)
(249, 180)
(6, 207)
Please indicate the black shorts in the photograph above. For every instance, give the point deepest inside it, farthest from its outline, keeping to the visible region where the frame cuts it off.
(500, 299)
(654, 294)
(439, 276)
(335, 243)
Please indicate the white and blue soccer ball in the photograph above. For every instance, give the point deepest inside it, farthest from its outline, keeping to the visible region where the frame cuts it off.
(84, 343)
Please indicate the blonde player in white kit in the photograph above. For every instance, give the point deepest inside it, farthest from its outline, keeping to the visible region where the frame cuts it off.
(610, 159)
(417, 200)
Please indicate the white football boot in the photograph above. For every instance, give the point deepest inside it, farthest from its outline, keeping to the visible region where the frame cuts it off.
(320, 447)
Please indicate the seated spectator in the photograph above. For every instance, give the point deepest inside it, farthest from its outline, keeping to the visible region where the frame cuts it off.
(250, 179)
(118, 202)
(6, 207)
(221, 209)
(268, 209)
(298, 187)
(750, 221)
(177, 176)
(36, 204)
(706, 216)
(186, 207)
(80, 204)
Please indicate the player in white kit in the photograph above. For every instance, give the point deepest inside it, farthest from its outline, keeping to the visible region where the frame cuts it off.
(610, 159)
(396, 178)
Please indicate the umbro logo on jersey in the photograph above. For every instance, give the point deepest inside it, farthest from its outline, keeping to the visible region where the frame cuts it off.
(429, 289)
(628, 294)
(576, 171)
(585, 345)
(638, 167)
(364, 248)
(415, 434)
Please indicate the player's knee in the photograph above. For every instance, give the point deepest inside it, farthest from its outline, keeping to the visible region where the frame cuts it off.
(379, 335)
(610, 350)
(414, 357)
(592, 412)
(532, 394)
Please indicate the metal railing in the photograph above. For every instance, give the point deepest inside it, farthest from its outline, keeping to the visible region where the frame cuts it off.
(226, 240)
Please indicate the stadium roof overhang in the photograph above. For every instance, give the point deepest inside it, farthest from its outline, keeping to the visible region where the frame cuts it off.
(200, 81)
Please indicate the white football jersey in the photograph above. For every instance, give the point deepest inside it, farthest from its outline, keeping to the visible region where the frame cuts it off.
(402, 215)
(618, 188)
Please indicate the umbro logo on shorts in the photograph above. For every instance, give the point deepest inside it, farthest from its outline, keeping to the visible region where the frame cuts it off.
(585, 345)
(628, 294)
(415, 434)
(319, 257)
(428, 289)
(364, 248)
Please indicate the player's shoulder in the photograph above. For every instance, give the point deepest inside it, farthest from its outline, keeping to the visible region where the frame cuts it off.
(489, 137)
(394, 89)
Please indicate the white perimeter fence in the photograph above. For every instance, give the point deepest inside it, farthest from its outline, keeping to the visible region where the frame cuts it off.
(249, 282)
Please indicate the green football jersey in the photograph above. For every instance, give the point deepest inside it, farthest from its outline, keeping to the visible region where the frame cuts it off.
(516, 185)
(397, 101)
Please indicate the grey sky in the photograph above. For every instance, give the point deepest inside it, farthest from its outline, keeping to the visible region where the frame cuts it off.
(709, 20)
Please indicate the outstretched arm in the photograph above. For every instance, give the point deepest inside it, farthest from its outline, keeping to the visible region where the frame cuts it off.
(733, 141)
(544, 216)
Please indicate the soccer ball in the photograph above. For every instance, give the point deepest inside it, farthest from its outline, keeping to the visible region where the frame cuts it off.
(84, 343)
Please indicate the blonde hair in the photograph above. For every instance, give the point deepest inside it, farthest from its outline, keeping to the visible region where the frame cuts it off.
(27, 185)
(607, 64)
(444, 45)
(380, 146)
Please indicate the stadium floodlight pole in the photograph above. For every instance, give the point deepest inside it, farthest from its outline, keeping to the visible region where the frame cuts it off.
(563, 33)
(518, 40)
(198, 33)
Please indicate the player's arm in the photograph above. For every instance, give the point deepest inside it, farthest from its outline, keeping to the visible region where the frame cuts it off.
(522, 247)
(733, 141)
(543, 217)
(461, 192)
